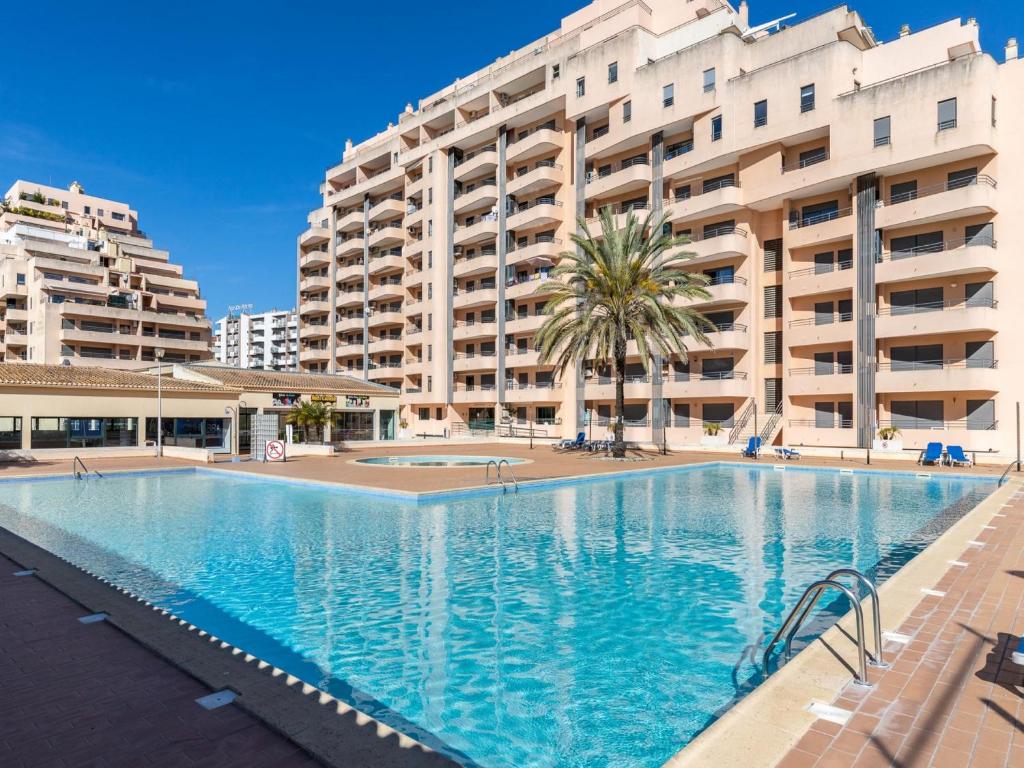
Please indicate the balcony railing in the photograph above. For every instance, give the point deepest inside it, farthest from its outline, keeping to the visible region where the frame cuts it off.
(823, 269)
(832, 369)
(938, 306)
(938, 189)
(941, 247)
(835, 423)
(806, 162)
(819, 218)
(936, 365)
(679, 148)
(918, 424)
(470, 155)
(822, 319)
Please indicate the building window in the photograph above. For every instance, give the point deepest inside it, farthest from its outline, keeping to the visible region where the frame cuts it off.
(99, 211)
(430, 383)
(668, 95)
(613, 72)
(59, 432)
(424, 414)
(947, 114)
(993, 111)
(627, 111)
(21, 278)
(709, 80)
(555, 71)
(883, 135)
(773, 347)
(430, 353)
(772, 301)
(88, 210)
(716, 128)
(581, 86)
(760, 113)
(807, 97)
(10, 433)
(773, 255)
(117, 216)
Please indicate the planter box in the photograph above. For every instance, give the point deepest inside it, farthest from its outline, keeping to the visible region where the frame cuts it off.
(887, 446)
(722, 438)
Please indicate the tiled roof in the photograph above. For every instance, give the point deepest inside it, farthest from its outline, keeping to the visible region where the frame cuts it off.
(280, 381)
(84, 377)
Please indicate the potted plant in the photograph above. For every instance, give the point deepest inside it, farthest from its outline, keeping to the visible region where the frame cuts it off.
(403, 429)
(713, 434)
(888, 440)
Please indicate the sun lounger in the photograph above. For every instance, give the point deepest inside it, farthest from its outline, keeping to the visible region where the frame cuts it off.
(786, 453)
(753, 448)
(570, 445)
(932, 454)
(956, 457)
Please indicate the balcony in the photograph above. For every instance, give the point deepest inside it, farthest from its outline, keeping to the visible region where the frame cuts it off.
(823, 278)
(541, 252)
(953, 257)
(317, 281)
(527, 145)
(527, 324)
(484, 194)
(386, 236)
(521, 358)
(352, 246)
(480, 263)
(972, 436)
(810, 331)
(937, 376)
(724, 290)
(380, 318)
(349, 324)
(543, 175)
(350, 272)
(542, 212)
(543, 392)
(732, 384)
(632, 175)
(314, 236)
(479, 297)
(384, 371)
(477, 163)
(353, 194)
(314, 259)
(603, 387)
(727, 336)
(725, 197)
(352, 298)
(536, 284)
(940, 202)
(481, 361)
(391, 344)
(722, 243)
(472, 394)
(388, 209)
(392, 289)
(351, 221)
(314, 331)
(808, 381)
(464, 331)
(950, 316)
(483, 230)
(390, 262)
(312, 355)
(820, 229)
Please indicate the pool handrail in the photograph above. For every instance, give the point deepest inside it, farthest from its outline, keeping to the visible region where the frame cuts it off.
(78, 475)
(861, 676)
(499, 479)
(1006, 472)
(508, 465)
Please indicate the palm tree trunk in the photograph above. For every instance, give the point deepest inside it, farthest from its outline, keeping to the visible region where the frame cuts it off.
(619, 447)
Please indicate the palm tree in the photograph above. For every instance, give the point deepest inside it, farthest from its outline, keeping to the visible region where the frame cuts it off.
(619, 287)
(306, 415)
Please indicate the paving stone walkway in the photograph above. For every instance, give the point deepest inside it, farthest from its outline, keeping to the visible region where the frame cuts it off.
(953, 696)
(75, 695)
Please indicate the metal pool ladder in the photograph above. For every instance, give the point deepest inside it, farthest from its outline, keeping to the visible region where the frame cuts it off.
(78, 474)
(807, 602)
(498, 477)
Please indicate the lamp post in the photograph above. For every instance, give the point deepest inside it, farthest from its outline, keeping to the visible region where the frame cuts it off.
(158, 353)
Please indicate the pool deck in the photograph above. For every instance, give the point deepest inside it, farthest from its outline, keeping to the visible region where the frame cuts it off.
(952, 690)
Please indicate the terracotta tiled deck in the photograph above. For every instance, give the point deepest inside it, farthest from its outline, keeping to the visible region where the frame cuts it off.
(953, 697)
(87, 695)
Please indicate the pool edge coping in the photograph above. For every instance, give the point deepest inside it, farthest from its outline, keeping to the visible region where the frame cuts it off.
(330, 730)
(760, 730)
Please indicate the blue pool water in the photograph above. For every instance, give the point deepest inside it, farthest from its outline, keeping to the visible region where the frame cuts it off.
(435, 461)
(597, 623)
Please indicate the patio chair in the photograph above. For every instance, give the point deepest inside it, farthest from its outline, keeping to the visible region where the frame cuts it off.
(570, 445)
(932, 454)
(956, 457)
(1018, 655)
(783, 452)
(753, 448)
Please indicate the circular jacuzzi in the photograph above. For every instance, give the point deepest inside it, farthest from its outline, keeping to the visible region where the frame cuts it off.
(435, 461)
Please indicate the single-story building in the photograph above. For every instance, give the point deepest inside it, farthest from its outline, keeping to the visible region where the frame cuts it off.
(57, 409)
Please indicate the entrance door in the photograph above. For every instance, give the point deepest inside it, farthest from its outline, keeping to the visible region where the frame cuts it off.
(387, 425)
(245, 429)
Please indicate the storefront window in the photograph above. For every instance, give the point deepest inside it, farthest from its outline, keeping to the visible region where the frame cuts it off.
(10, 433)
(352, 425)
(189, 433)
(82, 432)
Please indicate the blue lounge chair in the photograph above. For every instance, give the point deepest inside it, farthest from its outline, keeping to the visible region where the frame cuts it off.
(753, 447)
(570, 445)
(956, 457)
(1018, 655)
(787, 453)
(932, 454)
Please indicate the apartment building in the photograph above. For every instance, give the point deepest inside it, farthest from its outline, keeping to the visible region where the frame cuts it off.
(854, 203)
(264, 340)
(81, 284)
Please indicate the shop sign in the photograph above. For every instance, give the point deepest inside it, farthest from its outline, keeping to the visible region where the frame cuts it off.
(322, 398)
(285, 399)
(357, 401)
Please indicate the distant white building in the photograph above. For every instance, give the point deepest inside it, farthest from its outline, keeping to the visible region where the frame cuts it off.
(265, 340)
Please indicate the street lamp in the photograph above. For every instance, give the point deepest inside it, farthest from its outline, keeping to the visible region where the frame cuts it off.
(158, 353)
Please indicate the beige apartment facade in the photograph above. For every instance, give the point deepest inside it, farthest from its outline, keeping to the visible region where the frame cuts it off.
(82, 283)
(854, 204)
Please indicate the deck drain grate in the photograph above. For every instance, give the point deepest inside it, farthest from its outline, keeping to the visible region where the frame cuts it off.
(217, 699)
(835, 715)
(93, 618)
(27, 572)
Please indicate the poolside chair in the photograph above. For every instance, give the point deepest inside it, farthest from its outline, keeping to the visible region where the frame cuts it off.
(1018, 655)
(956, 457)
(932, 454)
(783, 452)
(753, 448)
(570, 445)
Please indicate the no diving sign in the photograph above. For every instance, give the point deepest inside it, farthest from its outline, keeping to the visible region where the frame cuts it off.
(274, 450)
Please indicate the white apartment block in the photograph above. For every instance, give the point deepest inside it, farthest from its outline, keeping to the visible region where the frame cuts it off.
(81, 284)
(263, 340)
(856, 205)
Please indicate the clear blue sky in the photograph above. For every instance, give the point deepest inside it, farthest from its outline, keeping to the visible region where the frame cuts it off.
(216, 120)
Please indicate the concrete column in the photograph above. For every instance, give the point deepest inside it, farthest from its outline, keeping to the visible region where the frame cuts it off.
(867, 195)
(366, 288)
(580, 172)
(502, 255)
(657, 184)
(332, 340)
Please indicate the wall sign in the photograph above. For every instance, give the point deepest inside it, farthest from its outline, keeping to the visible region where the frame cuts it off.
(321, 398)
(285, 399)
(357, 401)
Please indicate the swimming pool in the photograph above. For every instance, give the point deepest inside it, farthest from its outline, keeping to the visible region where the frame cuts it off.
(601, 622)
(440, 460)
